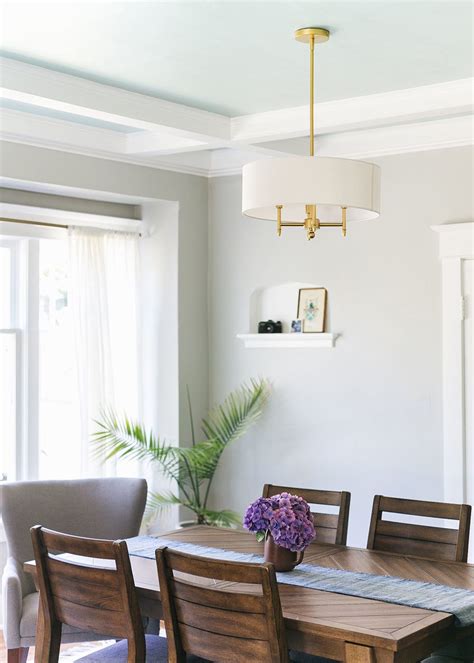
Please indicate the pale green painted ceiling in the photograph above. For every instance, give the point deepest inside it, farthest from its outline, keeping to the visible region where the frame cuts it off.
(240, 57)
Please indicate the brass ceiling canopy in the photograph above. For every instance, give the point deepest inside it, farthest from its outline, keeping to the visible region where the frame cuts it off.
(317, 35)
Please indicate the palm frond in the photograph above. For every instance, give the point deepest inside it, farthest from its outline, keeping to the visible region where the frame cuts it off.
(202, 458)
(229, 421)
(121, 437)
(158, 500)
(189, 467)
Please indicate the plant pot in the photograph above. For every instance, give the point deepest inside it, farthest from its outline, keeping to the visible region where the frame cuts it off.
(186, 523)
(282, 558)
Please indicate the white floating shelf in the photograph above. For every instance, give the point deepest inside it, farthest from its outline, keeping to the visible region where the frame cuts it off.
(322, 340)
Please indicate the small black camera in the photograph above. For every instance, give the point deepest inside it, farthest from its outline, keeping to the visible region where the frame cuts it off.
(269, 327)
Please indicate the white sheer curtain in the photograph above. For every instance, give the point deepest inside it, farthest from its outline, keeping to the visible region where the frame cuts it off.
(104, 275)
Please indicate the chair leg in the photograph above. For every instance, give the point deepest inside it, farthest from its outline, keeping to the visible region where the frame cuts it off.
(18, 655)
(48, 640)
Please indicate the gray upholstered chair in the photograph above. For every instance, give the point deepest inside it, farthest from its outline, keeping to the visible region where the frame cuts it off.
(97, 508)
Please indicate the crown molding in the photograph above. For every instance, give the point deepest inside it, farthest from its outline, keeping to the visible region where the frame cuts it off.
(76, 138)
(371, 143)
(365, 144)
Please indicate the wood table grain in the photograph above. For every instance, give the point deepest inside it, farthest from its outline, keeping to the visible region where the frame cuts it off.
(345, 628)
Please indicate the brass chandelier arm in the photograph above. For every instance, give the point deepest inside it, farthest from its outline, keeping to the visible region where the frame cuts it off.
(311, 223)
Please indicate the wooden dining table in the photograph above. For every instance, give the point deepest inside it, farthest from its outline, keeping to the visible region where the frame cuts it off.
(337, 626)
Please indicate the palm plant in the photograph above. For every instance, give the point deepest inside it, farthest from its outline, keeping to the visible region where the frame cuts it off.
(192, 468)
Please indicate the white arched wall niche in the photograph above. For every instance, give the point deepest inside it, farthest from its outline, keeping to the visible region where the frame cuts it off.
(280, 302)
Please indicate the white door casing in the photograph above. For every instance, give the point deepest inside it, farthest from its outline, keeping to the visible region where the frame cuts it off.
(468, 334)
(456, 246)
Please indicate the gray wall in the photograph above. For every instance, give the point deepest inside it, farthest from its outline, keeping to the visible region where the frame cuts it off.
(93, 177)
(364, 416)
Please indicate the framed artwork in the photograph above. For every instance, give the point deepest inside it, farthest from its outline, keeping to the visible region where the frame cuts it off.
(312, 309)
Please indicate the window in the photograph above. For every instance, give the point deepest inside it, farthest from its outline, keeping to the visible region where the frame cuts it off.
(58, 442)
(9, 360)
(55, 377)
(38, 399)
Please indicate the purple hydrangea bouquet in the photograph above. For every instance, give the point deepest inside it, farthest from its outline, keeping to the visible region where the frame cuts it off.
(284, 522)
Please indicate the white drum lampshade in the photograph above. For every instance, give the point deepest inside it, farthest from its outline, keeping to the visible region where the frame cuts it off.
(295, 182)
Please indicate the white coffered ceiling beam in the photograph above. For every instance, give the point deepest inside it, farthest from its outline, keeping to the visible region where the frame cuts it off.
(176, 137)
(42, 87)
(22, 127)
(375, 110)
(157, 121)
(437, 134)
(139, 146)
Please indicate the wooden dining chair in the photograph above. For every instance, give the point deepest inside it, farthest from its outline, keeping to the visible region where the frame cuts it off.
(102, 600)
(420, 540)
(330, 528)
(219, 624)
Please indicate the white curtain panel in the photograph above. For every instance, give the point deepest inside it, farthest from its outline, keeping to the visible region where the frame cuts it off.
(103, 286)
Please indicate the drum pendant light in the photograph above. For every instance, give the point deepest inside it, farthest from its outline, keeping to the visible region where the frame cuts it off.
(311, 192)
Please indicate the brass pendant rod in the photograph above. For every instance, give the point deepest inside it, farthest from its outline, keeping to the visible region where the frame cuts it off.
(311, 97)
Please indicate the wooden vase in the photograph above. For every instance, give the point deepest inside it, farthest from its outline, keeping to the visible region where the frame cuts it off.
(282, 558)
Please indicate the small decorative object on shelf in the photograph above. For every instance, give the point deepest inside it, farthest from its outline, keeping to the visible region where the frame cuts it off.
(269, 327)
(312, 309)
(296, 326)
(285, 523)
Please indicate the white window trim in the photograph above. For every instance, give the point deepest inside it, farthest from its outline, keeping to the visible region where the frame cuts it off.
(456, 243)
(15, 463)
(25, 303)
(66, 217)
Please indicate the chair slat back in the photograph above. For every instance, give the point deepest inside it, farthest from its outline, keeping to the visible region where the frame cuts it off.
(102, 600)
(330, 528)
(417, 539)
(234, 622)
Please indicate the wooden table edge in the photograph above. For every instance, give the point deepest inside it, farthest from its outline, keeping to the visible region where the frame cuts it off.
(438, 622)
